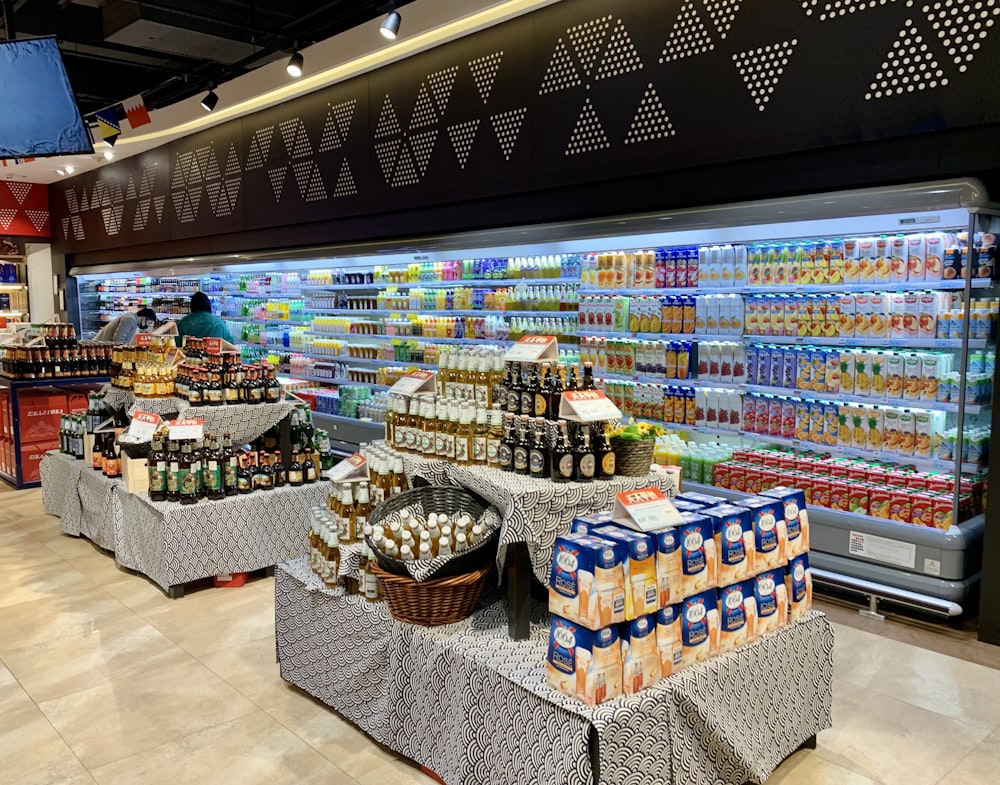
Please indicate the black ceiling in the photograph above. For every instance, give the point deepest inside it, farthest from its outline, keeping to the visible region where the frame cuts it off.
(169, 50)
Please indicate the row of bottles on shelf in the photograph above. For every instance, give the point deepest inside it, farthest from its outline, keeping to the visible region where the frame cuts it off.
(262, 309)
(696, 461)
(84, 359)
(500, 269)
(356, 402)
(148, 285)
(491, 328)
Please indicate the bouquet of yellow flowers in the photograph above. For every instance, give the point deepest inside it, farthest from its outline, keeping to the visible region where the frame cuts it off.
(634, 431)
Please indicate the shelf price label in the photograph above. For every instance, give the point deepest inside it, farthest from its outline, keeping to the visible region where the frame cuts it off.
(143, 426)
(213, 345)
(142, 340)
(415, 382)
(187, 428)
(645, 510)
(587, 406)
(352, 469)
(533, 349)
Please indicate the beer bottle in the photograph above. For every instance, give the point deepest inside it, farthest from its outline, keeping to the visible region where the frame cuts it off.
(230, 464)
(514, 389)
(244, 477)
(561, 464)
(278, 476)
(480, 439)
(188, 484)
(507, 443)
(584, 462)
(538, 456)
(604, 455)
(173, 472)
(349, 515)
(522, 446)
(363, 509)
(528, 393)
(555, 391)
(399, 483)
(588, 377)
(157, 466)
(542, 391)
(309, 473)
(295, 478)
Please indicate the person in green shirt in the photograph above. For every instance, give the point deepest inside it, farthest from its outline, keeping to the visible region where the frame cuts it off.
(201, 323)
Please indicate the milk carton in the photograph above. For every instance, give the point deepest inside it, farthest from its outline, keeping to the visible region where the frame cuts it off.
(584, 663)
(668, 639)
(796, 518)
(737, 615)
(734, 542)
(699, 559)
(798, 587)
(769, 530)
(640, 570)
(772, 601)
(700, 627)
(640, 655)
(587, 582)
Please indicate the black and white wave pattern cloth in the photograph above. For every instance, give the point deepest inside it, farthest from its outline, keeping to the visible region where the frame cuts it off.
(472, 705)
(533, 511)
(82, 498)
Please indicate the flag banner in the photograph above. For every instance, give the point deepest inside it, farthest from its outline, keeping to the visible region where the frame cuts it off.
(136, 112)
(108, 124)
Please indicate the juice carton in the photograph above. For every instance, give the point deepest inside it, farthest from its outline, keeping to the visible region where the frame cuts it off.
(734, 542)
(831, 424)
(923, 429)
(912, 376)
(820, 492)
(767, 517)
(818, 369)
(777, 367)
(916, 253)
(640, 570)
(737, 615)
(817, 423)
(775, 411)
(669, 573)
(802, 420)
(796, 518)
(751, 311)
(726, 363)
(878, 320)
(728, 265)
(879, 502)
(769, 257)
(807, 269)
(890, 431)
(699, 628)
(714, 360)
(941, 512)
(866, 259)
(711, 408)
(740, 266)
(699, 559)
(911, 315)
(900, 505)
(847, 383)
(858, 498)
(894, 375)
(772, 601)
(907, 432)
(798, 587)
(922, 509)
(584, 663)
(712, 312)
(818, 321)
(927, 314)
(840, 495)
(831, 325)
(862, 315)
(897, 259)
(640, 656)
(883, 261)
(792, 306)
(878, 374)
(931, 371)
(789, 375)
(934, 251)
(875, 424)
(668, 639)
(846, 321)
(897, 311)
(852, 260)
(781, 261)
(862, 374)
(740, 363)
(803, 371)
(587, 582)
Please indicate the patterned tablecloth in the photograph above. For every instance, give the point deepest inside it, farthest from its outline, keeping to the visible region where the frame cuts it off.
(472, 705)
(243, 421)
(174, 543)
(83, 499)
(534, 511)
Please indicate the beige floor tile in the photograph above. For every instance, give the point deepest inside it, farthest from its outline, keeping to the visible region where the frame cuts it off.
(398, 772)
(979, 767)
(141, 712)
(40, 582)
(31, 751)
(30, 623)
(805, 767)
(250, 750)
(918, 676)
(893, 742)
(138, 592)
(213, 619)
(67, 665)
(250, 668)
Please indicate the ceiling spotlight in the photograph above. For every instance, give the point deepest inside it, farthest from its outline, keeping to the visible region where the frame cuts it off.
(60, 172)
(70, 169)
(295, 64)
(209, 101)
(109, 154)
(390, 27)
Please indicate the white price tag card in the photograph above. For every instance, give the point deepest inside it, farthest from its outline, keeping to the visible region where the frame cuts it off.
(533, 349)
(587, 406)
(415, 382)
(190, 428)
(143, 426)
(645, 509)
(351, 469)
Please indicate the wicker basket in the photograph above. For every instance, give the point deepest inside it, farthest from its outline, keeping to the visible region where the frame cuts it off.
(448, 499)
(633, 457)
(435, 602)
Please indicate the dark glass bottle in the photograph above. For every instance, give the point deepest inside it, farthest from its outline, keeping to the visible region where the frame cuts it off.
(173, 472)
(522, 446)
(255, 388)
(528, 392)
(309, 472)
(157, 468)
(244, 477)
(588, 377)
(196, 389)
(562, 460)
(555, 391)
(185, 475)
(213, 469)
(538, 456)
(542, 390)
(603, 454)
(272, 390)
(279, 477)
(295, 474)
(502, 388)
(514, 389)
(584, 461)
(507, 443)
(573, 383)
(230, 466)
(212, 392)
(263, 475)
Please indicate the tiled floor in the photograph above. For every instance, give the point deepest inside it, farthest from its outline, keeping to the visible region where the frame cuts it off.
(103, 679)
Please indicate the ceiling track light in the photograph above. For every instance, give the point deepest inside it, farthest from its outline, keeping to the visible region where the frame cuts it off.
(210, 100)
(295, 64)
(390, 25)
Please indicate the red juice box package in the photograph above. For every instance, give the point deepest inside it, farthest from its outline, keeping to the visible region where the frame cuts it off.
(668, 639)
(584, 663)
(587, 582)
(767, 516)
(737, 615)
(734, 542)
(699, 628)
(640, 655)
(796, 518)
(772, 601)
(641, 596)
(699, 560)
(798, 587)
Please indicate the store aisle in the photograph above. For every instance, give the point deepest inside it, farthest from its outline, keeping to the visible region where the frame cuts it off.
(103, 679)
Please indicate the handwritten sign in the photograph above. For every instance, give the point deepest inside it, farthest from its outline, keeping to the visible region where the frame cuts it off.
(534, 349)
(351, 469)
(645, 510)
(189, 428)
(143, 426)
(587, 406)
(415, 382)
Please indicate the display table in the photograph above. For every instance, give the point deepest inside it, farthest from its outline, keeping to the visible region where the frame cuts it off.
(533, 513)
(172, 543)
(472, 705)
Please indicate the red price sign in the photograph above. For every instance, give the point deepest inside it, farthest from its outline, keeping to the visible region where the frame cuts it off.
(645, 509)
(354, 467)
(533, 348)
(213, 345)
(189, 428)
(414, 382)
(144, 425)
(588, 406)
(142, 340)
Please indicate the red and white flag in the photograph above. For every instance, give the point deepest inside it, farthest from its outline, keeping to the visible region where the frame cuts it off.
(135, 111)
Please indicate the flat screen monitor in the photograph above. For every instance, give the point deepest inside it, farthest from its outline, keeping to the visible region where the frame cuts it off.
(39, 112)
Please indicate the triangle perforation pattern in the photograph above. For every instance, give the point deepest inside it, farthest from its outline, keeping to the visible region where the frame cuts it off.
(330, 139)
(78, 231)
(387, 152)
(507, 126)
(651, 121)
(277, 178)
(723, 14)
(146, 182)
(7, 217)
(345, 182)
(588, 40)
(65, 228)
(688, 37)
(84, 202)
(462, 137)
(388, 124)
(260, 147)
(158, 203)
(38, 218)
(130, 192)
(441, 84)
(588, 135)
(424, 112)
(20, 191)
(344, 114)
(232, 162)
(406, 171)
(962, 26)
(423, 146)
(909, 66)
(621, 56)
(561, 73)
(72, 204)
(141, 215)
(761, 69)
(484, 73)
(842, 7)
